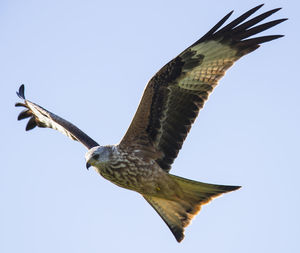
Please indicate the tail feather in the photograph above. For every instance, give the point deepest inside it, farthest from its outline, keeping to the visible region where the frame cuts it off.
(178, 213)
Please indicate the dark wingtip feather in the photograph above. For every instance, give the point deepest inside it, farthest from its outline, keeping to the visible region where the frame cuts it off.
(259, 40)
(255, 20)
(238, 20)
(260, 5)
(258, 29)
(270, 12)
(215, 28)
(276, 9)
(24, 114)
(21, 92)
(31, 124)
(20, 105)
(254, 9)
(237, 30)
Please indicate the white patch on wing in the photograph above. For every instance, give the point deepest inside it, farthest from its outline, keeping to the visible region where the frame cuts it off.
(218, 58)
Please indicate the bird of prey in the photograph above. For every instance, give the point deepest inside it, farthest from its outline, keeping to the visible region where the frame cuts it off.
(169, 106)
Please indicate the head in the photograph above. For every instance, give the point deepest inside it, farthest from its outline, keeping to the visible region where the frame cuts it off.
(97, 156)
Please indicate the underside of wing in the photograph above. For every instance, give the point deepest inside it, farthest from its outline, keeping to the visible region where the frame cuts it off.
(174, 96)
(38, 116)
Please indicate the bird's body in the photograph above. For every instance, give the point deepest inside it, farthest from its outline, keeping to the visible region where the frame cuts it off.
(132, 170)
(128, 169)
(170, 104)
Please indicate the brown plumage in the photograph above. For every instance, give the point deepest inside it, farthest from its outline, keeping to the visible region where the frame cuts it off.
(169, 106)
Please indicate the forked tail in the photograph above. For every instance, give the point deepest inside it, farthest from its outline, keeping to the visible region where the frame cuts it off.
(178, 213)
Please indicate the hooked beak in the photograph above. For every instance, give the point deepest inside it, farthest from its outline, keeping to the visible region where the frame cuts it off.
(88, 165)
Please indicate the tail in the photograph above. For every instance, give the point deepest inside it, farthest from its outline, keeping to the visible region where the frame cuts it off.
(177, 214)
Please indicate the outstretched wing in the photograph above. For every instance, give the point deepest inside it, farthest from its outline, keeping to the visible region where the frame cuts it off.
(42, 118)
(174, 96)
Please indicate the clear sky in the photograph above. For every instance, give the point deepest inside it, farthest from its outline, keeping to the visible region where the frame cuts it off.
(89, 61)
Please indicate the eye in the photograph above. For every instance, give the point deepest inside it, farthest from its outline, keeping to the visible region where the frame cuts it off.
(96, 157)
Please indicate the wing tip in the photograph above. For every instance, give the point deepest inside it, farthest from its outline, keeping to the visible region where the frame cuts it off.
(21, 92)
(31, 124)
(229, 14)
(24, 114)
(256, 8)
(260, 5)
(275, 10)
(237, 27)
(18, 104)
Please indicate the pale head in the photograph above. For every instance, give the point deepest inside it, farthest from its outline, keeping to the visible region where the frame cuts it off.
(98, 155)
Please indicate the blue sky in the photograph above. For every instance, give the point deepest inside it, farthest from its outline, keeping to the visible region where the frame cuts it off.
(89, 61)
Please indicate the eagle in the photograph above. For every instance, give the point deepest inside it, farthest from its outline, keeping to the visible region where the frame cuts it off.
(171, 101)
